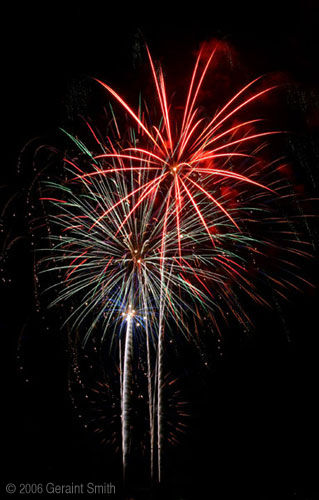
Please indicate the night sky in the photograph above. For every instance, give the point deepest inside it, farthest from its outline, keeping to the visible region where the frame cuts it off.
(253, 430)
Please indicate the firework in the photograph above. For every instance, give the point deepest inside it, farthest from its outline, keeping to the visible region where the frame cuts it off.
(114, 270)
(161, 223)
(189, 164)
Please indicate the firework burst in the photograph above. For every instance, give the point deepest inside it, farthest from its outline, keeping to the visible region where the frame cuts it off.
(172, 218)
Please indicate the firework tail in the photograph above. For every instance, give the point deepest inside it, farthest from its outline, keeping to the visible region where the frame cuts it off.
(150, 405)
(126, 392)
(121, 374)
(149, 384)
(160, 355)
(160, 377)
(160, 360)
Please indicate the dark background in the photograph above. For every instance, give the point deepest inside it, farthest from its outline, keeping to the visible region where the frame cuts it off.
(254, 429)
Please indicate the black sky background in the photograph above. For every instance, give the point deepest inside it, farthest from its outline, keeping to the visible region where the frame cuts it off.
(254, 432)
